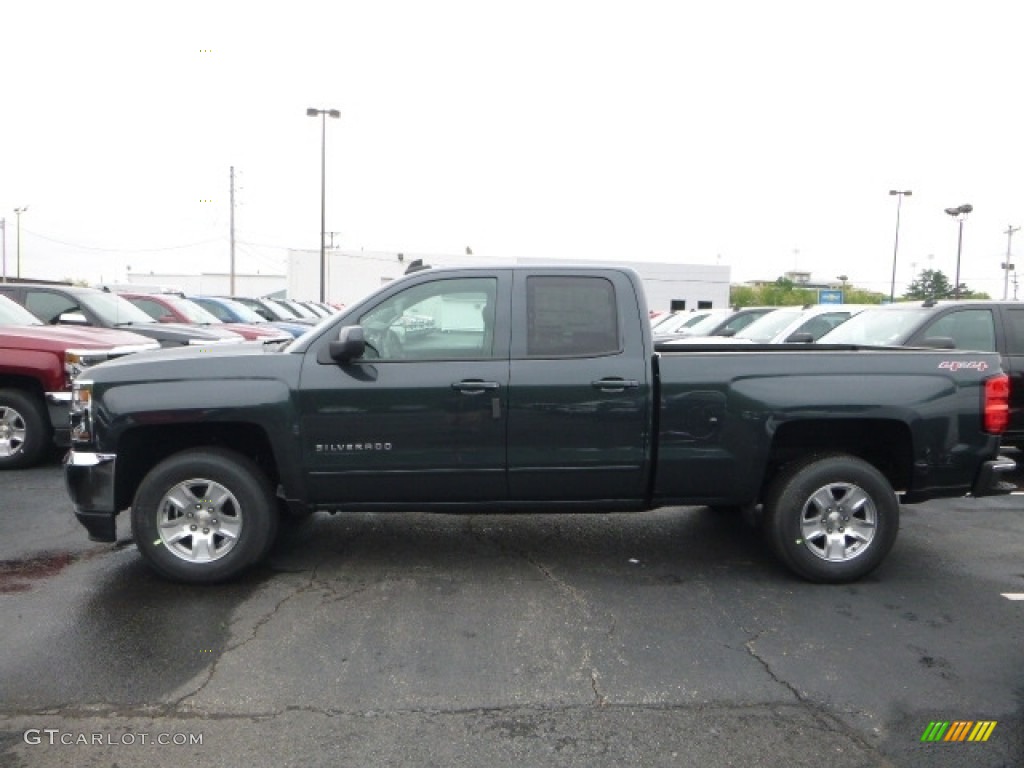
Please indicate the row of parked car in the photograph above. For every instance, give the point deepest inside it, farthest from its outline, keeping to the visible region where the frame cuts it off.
(753, 325)
(50, 333)
(987, 326)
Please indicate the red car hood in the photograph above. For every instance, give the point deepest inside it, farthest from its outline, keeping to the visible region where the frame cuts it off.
(67, 336)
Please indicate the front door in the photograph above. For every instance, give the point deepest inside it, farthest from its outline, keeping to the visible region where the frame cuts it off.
(422, 417)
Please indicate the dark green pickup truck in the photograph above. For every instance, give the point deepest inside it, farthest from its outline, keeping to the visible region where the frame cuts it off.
(526, 388)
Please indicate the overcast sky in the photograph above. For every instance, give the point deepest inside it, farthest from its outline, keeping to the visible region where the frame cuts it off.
(760, 135)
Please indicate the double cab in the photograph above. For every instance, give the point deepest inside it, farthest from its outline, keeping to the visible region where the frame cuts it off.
(526, 388)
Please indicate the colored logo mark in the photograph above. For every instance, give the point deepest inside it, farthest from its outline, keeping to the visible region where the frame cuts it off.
(959, 730)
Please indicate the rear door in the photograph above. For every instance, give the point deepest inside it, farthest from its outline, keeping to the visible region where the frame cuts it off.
(580, 397)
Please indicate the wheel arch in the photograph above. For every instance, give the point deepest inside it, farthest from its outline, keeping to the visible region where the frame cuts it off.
(25, 384)
(142, 448)
(886, 444)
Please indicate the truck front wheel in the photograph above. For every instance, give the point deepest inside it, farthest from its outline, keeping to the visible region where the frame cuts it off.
(204, 516)
(831, 518)
(24, 429)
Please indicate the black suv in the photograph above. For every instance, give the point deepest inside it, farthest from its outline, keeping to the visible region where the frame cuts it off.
(986, 326)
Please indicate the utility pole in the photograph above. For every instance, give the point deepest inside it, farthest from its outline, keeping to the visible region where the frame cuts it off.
(231, 278)
(18, 212)
(3, 232)
(1007, 266)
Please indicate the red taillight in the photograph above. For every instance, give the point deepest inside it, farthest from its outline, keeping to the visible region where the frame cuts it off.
(997, 404)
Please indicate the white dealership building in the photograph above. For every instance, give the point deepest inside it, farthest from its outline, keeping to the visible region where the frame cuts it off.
(351, 275)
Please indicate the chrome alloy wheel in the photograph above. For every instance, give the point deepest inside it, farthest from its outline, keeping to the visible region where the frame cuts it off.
(199, 520)
(12, 431)
(838, 522)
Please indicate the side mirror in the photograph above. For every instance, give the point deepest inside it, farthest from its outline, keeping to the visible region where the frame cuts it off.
(800, 338)
(351, 344)
(939, 342)
(72, 318)
(727, 333)
(166, 319)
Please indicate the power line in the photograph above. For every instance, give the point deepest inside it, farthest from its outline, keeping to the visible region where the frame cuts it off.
(123, 250)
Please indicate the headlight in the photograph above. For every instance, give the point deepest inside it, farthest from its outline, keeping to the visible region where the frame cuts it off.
(77, 360)
(208, 342)
(81, 411)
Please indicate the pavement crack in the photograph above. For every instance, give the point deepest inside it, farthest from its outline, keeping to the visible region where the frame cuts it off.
(253, 632)
(752, 651)
(830, 722)
(600, 700)
(575, 597)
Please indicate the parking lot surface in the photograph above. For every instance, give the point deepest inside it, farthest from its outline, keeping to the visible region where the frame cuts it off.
(661, 638)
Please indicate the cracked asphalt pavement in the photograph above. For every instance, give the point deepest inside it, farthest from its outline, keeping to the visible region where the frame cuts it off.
(662, 638)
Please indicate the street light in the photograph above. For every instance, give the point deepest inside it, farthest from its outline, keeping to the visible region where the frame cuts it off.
(324, 114)
(900, 193)
(959, 213)
(18, 212)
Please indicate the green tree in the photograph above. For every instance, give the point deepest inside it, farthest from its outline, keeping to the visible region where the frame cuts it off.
(933, 284)
(743, 296)
(853, 295)
(785, 292)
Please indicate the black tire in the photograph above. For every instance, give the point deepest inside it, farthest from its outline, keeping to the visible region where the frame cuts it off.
(204, 515)
(831, 518)
(25, 430)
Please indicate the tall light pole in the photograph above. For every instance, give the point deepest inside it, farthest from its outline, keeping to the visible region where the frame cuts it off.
(959, 213)
(3, 233)
(1007, 266)
(324, 114)
(900, 193)
(18, 212)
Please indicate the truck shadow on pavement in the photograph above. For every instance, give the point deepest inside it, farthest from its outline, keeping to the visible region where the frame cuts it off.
(671, 545)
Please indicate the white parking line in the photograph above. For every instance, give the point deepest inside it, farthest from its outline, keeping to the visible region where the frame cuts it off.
(1014, 595)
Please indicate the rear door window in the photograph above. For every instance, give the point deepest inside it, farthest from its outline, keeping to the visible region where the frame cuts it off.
(571, 317)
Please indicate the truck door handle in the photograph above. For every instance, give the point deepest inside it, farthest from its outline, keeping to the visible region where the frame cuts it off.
(472, 387)
(614, 385)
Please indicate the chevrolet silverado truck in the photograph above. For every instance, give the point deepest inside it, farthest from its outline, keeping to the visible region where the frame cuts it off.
(37, 365)
(526, 388)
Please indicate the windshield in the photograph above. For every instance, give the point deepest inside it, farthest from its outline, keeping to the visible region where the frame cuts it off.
(191, 310)
(275, 309)
(767, 326)
(877, 327)
(242, 312)
(113, 309)
(705, 325)
(12, 313)
(298, 309)
(678, 322)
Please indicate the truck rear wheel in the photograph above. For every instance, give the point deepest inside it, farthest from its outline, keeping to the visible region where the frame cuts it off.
(24, 429)
(204, 516)
(831, 518)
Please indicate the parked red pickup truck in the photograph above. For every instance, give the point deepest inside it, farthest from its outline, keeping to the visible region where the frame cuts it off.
(38, 363)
